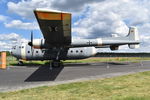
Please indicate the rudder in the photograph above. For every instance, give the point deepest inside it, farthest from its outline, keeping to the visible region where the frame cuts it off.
(134, 36)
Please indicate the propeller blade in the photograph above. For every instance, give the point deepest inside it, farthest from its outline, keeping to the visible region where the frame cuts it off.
(32, 50)
(32, 38)
(31, 43)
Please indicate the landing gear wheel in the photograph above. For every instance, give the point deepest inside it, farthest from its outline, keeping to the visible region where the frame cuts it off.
(56, 64)
(20, 63)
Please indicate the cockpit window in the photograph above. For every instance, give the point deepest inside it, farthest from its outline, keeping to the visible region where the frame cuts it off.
(71, 51)
(43, 51)
(14, 47)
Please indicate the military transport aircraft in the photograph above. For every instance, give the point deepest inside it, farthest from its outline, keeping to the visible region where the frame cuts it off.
(57, 43)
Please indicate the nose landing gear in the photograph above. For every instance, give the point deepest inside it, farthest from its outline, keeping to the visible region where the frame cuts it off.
(20, 63)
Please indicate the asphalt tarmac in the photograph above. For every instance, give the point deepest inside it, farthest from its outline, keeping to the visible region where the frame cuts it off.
(22, 77)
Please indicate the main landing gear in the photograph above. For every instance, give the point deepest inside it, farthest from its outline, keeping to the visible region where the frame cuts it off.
(55, 64)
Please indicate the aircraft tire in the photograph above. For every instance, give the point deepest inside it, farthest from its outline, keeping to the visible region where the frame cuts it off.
(20, 63)
(56, 64)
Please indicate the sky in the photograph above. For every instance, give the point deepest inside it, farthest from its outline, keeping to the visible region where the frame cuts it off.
(90, 19)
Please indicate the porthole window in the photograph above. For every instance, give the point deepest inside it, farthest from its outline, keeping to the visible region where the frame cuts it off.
(76, 51)
(19, 46)
(56, 28)
(14, 47)
(28, 51)
(71, 51)
(36, 51)
(81, 51)
(22, 46)
(50, 28)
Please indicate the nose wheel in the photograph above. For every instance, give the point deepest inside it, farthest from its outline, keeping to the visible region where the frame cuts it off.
(20, 63)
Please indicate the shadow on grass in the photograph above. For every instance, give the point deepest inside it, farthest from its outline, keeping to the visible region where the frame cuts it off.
(30, 64)
(44, 73)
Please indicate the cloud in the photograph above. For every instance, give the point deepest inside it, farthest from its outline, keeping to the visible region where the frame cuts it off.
(25, 8)
(72, 5)
(22, 25)
(98, 18)
(3, 18)
(108, 17)
(8, 40)
(11, 36)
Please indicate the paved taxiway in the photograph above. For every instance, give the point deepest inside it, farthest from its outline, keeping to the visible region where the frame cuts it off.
(20, 77)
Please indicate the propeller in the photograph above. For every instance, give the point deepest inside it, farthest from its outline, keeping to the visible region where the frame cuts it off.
(31, 43)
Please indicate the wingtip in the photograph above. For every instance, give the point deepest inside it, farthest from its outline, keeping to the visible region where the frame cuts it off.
(48, 10)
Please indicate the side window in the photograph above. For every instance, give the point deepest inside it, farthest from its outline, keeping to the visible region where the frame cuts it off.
(71, 51)
(42, 51)
(14, 47)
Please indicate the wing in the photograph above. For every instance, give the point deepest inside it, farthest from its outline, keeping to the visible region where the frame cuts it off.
(55, 27)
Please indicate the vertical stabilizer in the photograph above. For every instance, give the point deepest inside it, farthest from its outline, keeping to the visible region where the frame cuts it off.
(133, 36)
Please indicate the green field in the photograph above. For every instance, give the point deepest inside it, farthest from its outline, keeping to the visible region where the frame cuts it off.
(128, 87)
(12, 61)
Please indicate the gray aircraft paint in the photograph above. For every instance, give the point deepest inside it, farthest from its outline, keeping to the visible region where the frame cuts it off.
(48, 54)
(132, 39)
(79, 49)
(57, 44)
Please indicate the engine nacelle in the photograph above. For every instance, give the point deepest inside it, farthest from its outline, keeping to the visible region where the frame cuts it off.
(38, 43)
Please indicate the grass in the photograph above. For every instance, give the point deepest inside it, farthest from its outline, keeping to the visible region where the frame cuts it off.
(11, 61)
(128, 87)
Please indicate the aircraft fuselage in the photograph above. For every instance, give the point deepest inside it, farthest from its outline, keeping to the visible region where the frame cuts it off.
(24, 51)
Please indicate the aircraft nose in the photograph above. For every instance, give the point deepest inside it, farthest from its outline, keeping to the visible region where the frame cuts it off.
(10, 52)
